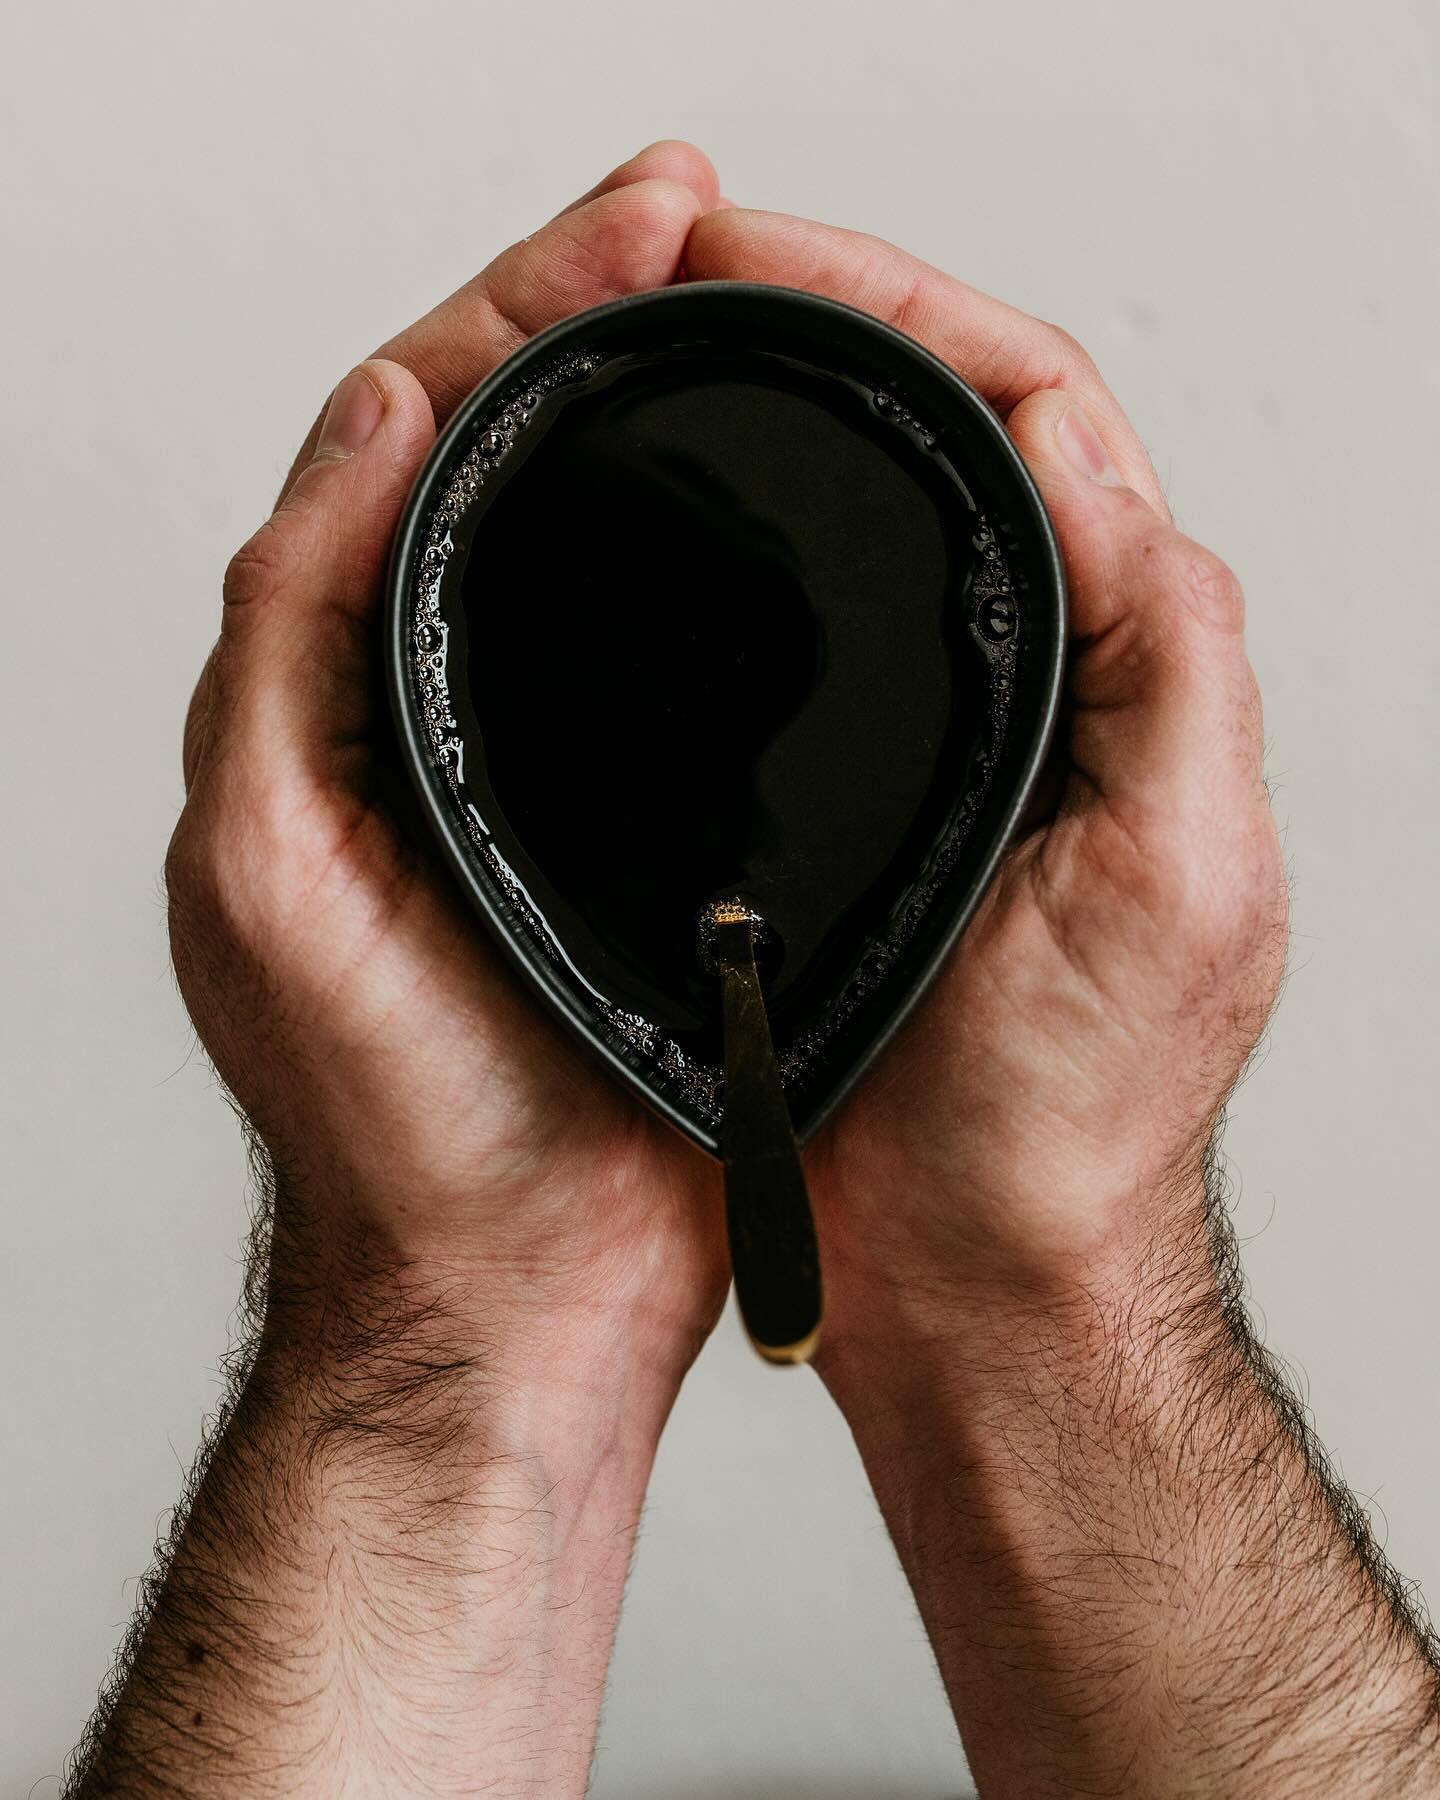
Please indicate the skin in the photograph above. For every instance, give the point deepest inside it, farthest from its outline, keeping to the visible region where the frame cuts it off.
(488, 1270)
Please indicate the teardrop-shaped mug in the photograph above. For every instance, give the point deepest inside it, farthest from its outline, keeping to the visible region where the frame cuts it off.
(724, 639)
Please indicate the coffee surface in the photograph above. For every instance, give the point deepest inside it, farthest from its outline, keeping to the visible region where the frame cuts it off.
(709, 633)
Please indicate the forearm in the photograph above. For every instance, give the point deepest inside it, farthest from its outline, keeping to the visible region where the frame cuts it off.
(1137, 1573)
(401, 1569)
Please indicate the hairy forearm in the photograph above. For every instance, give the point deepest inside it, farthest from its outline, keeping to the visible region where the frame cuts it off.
(1137, 1571)
(402, 1564)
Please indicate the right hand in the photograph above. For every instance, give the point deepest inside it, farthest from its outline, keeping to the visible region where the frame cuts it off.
(419, 1110)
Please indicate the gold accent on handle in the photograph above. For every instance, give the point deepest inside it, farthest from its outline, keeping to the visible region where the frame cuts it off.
(773, 1251)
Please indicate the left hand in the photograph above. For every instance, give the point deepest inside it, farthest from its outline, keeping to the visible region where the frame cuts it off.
(1042, 1120)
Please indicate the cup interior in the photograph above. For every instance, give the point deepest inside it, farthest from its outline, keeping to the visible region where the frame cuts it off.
(724, 590)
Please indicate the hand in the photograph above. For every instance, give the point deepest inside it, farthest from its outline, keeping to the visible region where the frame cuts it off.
(417, 1107)
(400, 1563)
(1064, 1075)
(1138, 1572)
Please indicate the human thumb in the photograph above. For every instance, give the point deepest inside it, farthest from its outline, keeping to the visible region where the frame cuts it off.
(1165, 710)
(294, 667)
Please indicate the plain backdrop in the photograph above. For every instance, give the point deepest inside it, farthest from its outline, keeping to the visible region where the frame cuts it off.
(209, 214)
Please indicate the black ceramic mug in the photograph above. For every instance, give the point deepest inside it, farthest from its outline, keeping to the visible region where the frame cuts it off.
(724, 640)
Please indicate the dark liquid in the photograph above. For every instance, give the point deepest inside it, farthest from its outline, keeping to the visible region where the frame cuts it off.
(711, 636)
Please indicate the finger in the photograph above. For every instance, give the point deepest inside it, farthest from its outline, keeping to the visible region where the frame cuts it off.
(293, 675)
(1002, 352)
(1165, 710)
(671, 159)
(623, 241)
(620, 243)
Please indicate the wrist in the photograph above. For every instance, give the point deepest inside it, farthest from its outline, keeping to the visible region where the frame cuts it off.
(395, 1354)
(1092, 1484)
(402, 1542)
(927, 1232)
(527, 1294)
(961, 1338)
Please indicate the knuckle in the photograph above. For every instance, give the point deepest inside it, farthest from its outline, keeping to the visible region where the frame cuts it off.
(671, 202)
(656, 208)
(208, 887)
(1069, 355)
(263, 566)
(179, 869)
(244, 855)
(913, 305)
(1187, 584)
(1210, 587)
(193, 896)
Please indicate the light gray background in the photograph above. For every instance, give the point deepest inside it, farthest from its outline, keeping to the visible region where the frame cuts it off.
(211, 212)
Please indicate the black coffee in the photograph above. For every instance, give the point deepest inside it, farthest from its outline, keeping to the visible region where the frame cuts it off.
(710, 633)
